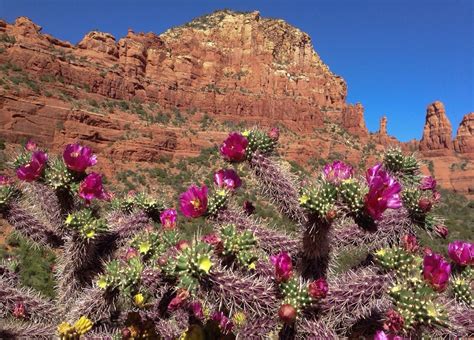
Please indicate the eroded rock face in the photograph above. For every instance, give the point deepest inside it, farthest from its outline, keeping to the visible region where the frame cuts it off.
(437, 134)
(226, 64)
(383, 126)
(464, 141)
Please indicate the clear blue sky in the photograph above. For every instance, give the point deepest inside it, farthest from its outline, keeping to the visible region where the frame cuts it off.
(396, 56)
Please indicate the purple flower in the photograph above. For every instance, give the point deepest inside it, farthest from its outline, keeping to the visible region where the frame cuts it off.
(227, 179)
(225, 324)
(91, 187)
(196, 309)
(428, 183)
(5, 180)
(383, 192)
(393, 321)
(233, 148)
(461, 252)
(168, 219)
(283, 266)
(178, 300)
(318, 289)
(337, 172)
(211, 239)
(78, 158)
(436, 271)
(193, 203)
(31, 145)
(274, 133)
(410, 243)
(33, 170)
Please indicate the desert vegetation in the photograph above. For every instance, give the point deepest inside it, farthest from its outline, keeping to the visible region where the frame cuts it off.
(257, 248)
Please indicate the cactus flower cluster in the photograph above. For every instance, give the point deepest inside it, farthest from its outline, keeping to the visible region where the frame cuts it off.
(126, 269)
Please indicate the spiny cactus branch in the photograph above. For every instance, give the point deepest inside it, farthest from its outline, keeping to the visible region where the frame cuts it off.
(25, 330)
(278, 184)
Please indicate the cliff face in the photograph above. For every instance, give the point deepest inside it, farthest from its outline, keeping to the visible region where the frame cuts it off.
(120, 96)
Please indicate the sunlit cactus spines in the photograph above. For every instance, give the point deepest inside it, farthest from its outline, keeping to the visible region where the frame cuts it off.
(127, 268)
(406, 167)
(462, 291)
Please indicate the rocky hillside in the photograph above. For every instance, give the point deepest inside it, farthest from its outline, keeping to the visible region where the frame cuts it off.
(149, 96)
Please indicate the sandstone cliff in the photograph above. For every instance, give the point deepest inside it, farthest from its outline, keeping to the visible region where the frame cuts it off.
(145, 95)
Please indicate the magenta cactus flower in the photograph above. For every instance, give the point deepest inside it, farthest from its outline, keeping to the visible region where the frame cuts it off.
(33, 170)
(211, 239)
(78, 158)
(197, 310)
(383, 192)
(91, 187)
(181, 296)
(225, 324)
(410, 243)
(233, 148)
(5, 180)
(425, 204)
(31, 145)
(168, 219)
(380, 335)
(19, 310)
(283, 266)
(337, 172)
(130, 253)
(227, 179)
(193, 202)
(393, 321)
(428, 183)
(436, 271)
(274, 133)
(318, 289)
(461, 252)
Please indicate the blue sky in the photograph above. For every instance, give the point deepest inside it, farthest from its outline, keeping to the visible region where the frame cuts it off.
(396, 56)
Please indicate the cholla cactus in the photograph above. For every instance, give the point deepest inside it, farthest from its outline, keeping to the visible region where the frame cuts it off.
(125, 271)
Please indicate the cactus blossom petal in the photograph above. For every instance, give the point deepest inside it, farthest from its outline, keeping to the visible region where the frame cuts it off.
(461, 252)
(78, 158)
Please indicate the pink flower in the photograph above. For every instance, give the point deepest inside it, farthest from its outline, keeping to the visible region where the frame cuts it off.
(91, 187)
(436, 271)
(428, 183)
(410, 243)
(436, 197)
(425, 204)
(227, 179)
(5, 180)
(441, 230)
(393, 321)
(287, 313)
(225, 324)
(318, 289)
(168, 219)
(131, 253)
(337, 172)
(178, 300)
(283, 266)
(78, 158)
(211, 239)
(31, 145)
(383, 192)
(196, 309)
(233, 148)
(274, 133)
(181, 245)
(19, 310)
(461, 252)
(33, 170)
(193, 203)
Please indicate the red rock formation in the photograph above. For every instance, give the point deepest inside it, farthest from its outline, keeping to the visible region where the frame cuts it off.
(233, 67)
(464, 141)
(383, 126)
(437, 134)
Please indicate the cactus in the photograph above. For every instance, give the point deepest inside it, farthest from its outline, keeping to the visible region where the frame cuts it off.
(125, 270)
